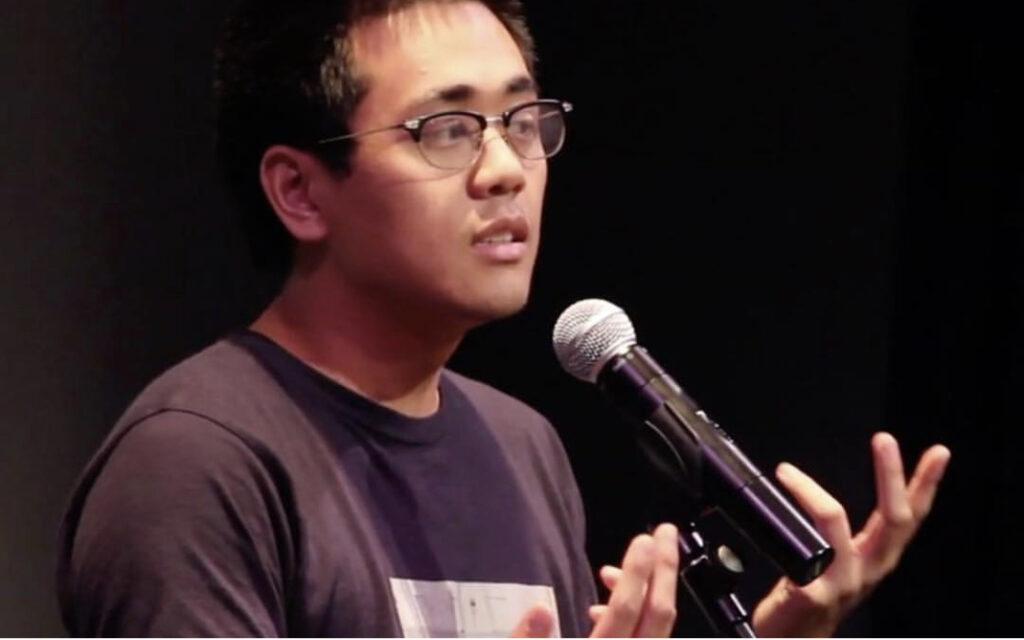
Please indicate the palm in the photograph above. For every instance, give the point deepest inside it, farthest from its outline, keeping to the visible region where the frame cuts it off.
(861, 561)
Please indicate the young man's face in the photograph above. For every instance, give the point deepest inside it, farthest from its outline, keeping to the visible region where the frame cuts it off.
(415, 236)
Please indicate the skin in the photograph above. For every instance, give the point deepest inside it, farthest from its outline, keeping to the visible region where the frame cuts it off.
(861, 561)
(390, 274)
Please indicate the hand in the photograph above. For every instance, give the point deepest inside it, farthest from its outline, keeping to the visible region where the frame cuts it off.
(861, 561)
(537, 622)
(643, 599)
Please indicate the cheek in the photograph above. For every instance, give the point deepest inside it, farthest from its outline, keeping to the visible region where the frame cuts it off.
(534, 196)
(412, 231)
(537, 180)
(432, 213)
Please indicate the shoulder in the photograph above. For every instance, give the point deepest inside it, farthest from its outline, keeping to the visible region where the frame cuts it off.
(523, 431)
(198, 437)
(484, 393)
(174, 461)
(222, 376)
(174, 513)
(170, 464)
(499, 407)
(228, 387)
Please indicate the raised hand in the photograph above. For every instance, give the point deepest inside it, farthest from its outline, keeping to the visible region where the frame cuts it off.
(861, 560)
(643, 599)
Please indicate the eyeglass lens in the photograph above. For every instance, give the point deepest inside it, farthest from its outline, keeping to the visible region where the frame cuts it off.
(452, 140)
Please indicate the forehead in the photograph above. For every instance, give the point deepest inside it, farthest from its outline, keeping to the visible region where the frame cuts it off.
(433, 45)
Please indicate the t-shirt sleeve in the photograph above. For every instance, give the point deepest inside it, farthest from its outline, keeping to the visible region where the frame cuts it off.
(182, 533)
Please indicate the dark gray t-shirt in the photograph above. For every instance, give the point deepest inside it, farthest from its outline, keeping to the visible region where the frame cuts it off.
(244, 493)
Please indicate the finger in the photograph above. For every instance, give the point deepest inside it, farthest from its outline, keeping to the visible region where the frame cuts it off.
(596, 611)
(925, 481)
(884, 537)
(867, 538)
(626, 602)
(537, 622)
(659, 613)
(826, 512)
(844, 573)
(610, 576)
(891, 483)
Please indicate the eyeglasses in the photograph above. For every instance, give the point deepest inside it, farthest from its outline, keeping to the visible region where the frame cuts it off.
(452, 139)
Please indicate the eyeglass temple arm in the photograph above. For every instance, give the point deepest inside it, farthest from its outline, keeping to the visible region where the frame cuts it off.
(349, 136)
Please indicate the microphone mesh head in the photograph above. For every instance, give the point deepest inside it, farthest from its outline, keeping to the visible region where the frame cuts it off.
(588, 334)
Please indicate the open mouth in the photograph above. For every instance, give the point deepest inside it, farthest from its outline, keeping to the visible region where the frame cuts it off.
(504, 241)
(499, 238)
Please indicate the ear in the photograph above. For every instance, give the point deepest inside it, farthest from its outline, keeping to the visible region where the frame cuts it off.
(286, 174)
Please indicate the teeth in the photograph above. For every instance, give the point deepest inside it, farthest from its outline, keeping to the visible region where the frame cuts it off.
(501, 238)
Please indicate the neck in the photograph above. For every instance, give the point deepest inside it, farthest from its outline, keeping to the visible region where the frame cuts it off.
(366, 344)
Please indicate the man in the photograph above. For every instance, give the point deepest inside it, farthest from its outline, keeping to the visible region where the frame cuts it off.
(322, 473)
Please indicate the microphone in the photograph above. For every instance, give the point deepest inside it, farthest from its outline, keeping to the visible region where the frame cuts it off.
(595, 342)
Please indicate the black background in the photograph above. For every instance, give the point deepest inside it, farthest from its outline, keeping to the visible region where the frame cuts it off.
(811, 211)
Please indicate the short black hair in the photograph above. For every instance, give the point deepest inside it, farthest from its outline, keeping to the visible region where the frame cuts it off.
(283, 74)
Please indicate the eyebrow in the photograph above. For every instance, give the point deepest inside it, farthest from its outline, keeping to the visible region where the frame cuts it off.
(464, 92)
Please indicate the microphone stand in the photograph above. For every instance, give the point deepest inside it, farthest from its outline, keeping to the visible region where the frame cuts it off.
(710, 580)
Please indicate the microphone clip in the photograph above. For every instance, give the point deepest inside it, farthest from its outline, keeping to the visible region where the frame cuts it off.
(710, 579)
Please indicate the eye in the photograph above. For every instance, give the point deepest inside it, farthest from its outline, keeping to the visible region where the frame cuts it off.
(524, 124)
(448, 130)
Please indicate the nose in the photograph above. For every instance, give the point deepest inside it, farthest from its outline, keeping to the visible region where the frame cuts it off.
(498, 170)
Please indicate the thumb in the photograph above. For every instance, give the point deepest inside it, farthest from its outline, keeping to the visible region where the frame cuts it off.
(537, 622)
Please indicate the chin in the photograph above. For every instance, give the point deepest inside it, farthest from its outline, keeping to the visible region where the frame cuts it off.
(492, 307)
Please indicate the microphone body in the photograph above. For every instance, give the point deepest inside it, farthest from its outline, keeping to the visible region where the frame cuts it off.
(702, 460)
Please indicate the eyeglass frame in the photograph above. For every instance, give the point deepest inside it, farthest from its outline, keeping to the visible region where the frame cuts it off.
(414, 126)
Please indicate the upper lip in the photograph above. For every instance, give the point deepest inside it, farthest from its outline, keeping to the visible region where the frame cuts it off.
(516, 224)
